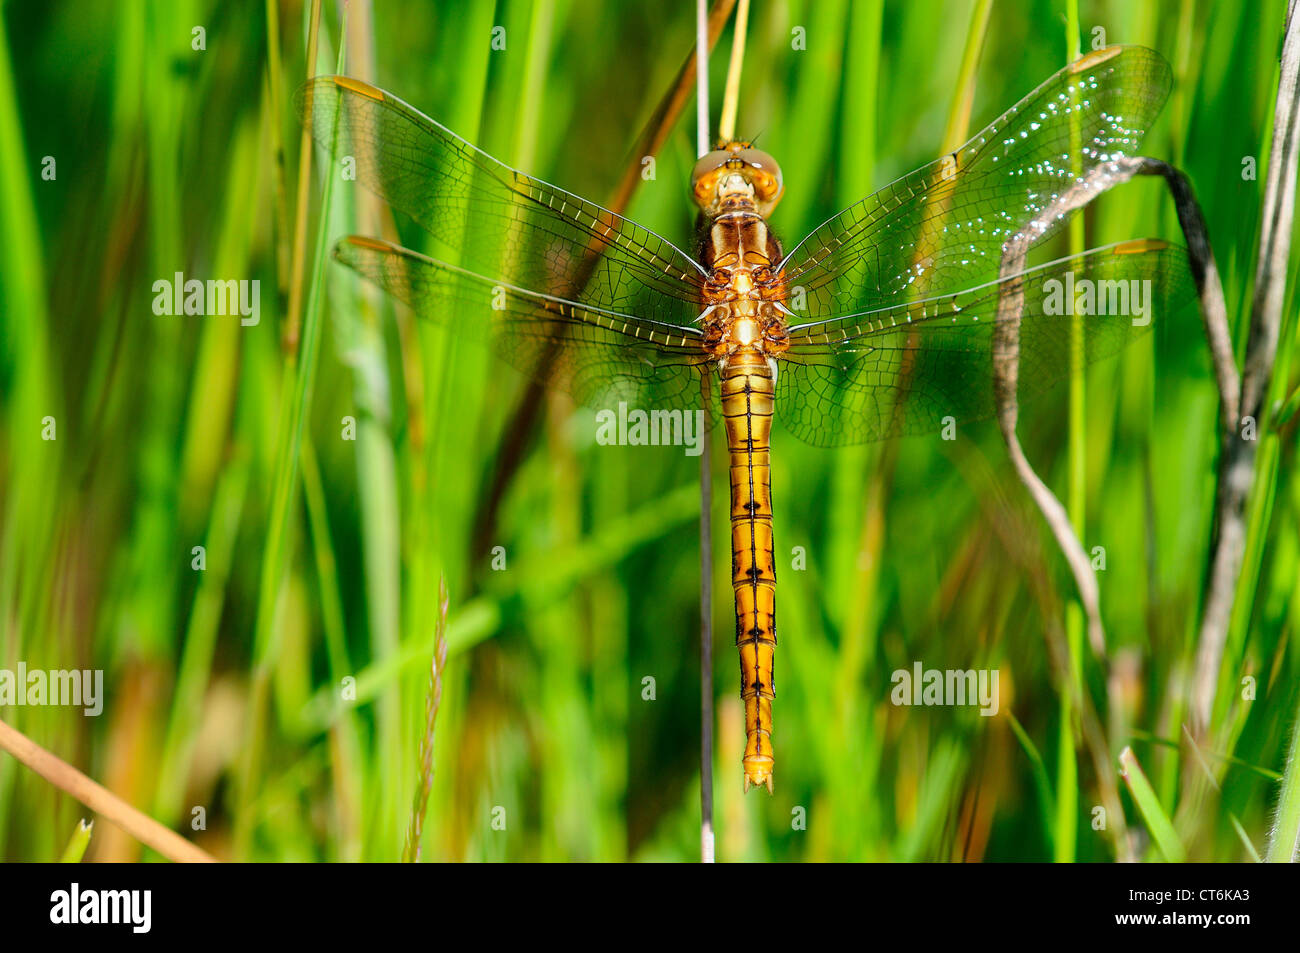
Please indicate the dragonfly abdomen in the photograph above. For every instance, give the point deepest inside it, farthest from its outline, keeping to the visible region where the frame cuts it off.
(748, 392)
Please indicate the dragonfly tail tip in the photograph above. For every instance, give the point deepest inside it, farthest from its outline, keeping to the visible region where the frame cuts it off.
(758, 774)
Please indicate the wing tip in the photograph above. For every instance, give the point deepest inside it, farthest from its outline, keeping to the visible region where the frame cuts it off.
(368, 243)
(1138, 246)
(1095, 58)
(358, 86)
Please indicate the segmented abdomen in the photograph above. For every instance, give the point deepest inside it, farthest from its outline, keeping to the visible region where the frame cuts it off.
(748, 391)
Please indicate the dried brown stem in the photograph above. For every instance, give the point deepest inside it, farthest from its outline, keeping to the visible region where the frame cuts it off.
(1006, 359)
(100, 799)
(1237, 460)
(514, 441)
(1005, 375)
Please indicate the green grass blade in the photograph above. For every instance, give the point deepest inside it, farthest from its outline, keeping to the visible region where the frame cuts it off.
(78, 843)
(1157, 821)
(1284, 843)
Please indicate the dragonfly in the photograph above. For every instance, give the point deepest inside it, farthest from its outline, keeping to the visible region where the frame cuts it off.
(877, 324)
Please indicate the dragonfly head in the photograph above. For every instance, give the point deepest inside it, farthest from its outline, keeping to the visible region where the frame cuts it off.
(736, 177)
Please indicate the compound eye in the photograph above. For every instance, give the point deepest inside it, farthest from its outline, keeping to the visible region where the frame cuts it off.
(764, 172)
(704, 177)
(709, 163)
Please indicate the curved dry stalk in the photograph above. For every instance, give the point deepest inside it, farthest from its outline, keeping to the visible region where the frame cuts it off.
(1006, 366)
(1237, 459)
(514, 440)
(100, 799)
(1006, 344)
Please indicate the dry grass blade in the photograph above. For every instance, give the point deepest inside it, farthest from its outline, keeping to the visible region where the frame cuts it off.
(432, 701)
(515, 436)
(1237, 464)
(1100, 179)
(100, 799)
(1006, 375)
(1006, 372)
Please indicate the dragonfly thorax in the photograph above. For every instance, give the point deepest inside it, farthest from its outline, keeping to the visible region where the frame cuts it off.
(745, 294)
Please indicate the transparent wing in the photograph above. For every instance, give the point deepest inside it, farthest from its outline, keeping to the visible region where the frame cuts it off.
(941, 228)
(504, 223)
(599, 356)
(902, 369)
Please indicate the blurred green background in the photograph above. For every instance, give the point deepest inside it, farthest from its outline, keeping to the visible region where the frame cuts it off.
(171, 432)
